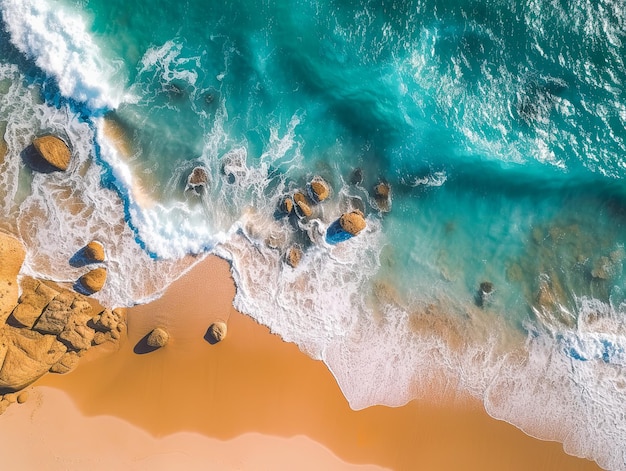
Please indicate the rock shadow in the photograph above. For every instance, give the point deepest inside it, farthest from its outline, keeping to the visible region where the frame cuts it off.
(80, 259)
(33, 159)
(142, 347)
(209, 338)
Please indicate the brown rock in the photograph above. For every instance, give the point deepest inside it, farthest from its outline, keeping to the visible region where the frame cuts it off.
(77, 335)
(34, 299)
(158, 338)
(302, 205)
(287, 205)
(319, 189)
(94, 280)
(68, 362)
(108, 319)
(218, 331)
(382, 196)
(353, 222)
(66, 307)
(11, 258)
(29, 355)
(54, 151)
(94, 251)
(294, 255)
(198, 176)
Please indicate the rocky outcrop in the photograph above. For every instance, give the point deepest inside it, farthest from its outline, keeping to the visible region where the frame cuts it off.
(485, 292)
(54, 151)
(28, 355)
(293, 256)
(352, 222)
(319, 189)
(94, 252)
(68, 362)
(217, 331)
(36, 295)
(382, 196)
(11, 258)
(94, 280)
(198, 179)
(158, 338)
(302, 205)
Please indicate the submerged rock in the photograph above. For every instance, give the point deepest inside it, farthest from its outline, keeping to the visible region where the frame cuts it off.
(356, 177)
(158, 338)
(94, 251)
(54, 151)
(94, 280)
(217, 331)
(485, 291)
(319, 189)
(382, 196)
(352, 222)
(303, 208)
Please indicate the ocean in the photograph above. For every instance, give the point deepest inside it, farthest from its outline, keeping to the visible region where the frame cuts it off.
(494, 266)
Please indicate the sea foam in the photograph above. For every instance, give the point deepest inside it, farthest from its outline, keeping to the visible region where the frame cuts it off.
(59, 42)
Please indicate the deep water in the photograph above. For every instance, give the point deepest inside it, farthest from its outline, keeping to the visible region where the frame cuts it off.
(498, 126)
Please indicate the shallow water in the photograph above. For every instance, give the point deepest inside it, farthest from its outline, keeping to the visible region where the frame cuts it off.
(499, 128)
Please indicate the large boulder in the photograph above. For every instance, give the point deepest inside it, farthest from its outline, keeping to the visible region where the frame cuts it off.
(94, 252)
(217, 331)
(94, 280)
(352, 222)
(319, 189)
(33, 300)
(77, 335)
(198, 179)
(286, 205)
(54, 151)
(67, 363)
(28, 355)
(158, 338)
(11, 258)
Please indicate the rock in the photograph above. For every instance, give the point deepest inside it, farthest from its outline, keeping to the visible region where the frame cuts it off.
(287, 205)
(198, 179)
(382, 196)
(4, 404)
(319, 189)
(158, 338)
(217, 331)
(353, 222)
(22, 397)
(603, 269)
(293, 256)
(77, 335)
(94, 251)
(485, 291)
(29, 355)
(94, 280)
(68, 362)
(54, 151)
(67, 308)
(34, 299)
(356, 177)
(303, 208)
(11, 258)
(108, 319)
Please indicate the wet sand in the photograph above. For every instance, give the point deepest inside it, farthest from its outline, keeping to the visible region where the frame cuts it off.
(256, 386)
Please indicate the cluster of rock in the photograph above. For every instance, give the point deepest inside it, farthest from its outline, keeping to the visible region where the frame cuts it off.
(302, 204)
(47, 329)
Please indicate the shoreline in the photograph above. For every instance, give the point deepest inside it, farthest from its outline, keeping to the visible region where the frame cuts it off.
(253, 382)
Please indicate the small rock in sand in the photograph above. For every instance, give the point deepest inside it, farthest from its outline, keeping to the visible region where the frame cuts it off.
(217, 331)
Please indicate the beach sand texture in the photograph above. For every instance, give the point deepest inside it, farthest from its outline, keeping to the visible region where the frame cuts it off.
(252, 391)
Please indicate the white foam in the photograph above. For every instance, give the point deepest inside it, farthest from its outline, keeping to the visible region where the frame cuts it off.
(58, 40)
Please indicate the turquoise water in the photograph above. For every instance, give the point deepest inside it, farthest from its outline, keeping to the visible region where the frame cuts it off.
(499, 127)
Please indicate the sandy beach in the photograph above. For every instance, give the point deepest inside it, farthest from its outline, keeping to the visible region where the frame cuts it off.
(249, 402)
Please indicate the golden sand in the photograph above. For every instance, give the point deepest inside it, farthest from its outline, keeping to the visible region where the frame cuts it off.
(253, 384)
